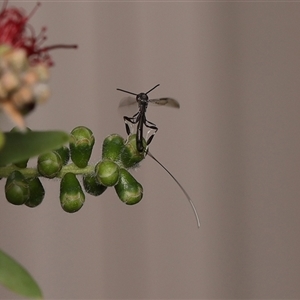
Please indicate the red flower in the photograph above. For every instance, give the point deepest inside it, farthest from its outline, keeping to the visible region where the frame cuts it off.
(16, 32)
(24, 63)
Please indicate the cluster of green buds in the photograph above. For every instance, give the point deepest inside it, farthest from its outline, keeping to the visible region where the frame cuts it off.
(22, 85)
(118, 155)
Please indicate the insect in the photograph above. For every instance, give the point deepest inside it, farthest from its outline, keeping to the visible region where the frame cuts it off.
(140, 119)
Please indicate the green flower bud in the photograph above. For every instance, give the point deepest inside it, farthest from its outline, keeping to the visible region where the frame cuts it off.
(92, 186)
(16, 188)
(107, 172)
(49, 164)
(71, 194)
(128, 189)
(64, 153)
(37, 192)
(81, 145)
(130, 156)
(111, 147)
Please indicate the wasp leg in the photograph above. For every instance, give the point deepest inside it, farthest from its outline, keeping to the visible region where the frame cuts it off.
(152, 126)
(129, 122)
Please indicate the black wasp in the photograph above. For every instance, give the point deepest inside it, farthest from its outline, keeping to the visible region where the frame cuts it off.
(140, 119)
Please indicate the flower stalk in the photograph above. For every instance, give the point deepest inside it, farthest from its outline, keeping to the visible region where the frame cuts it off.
(111, 171)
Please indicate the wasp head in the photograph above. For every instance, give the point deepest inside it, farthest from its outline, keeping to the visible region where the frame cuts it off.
(142, 99)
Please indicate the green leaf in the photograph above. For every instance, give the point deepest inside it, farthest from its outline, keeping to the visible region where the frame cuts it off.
(1, 139)
(22, 145)
(14, 277)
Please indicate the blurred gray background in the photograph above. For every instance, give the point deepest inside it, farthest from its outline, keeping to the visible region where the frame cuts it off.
(234, 145)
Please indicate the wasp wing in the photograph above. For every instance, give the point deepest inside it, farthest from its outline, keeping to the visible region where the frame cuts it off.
(128, 106)
(170, 102)
(127, 101)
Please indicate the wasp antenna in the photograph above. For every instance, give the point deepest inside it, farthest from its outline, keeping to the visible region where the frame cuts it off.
(127, 92)
(181, 187)
(152, 89)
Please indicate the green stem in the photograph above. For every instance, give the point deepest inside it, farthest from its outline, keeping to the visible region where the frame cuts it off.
(76, 170)
(32, 172)
(27, 172)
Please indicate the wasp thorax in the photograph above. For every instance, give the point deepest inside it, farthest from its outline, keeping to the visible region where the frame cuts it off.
(142, 97)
